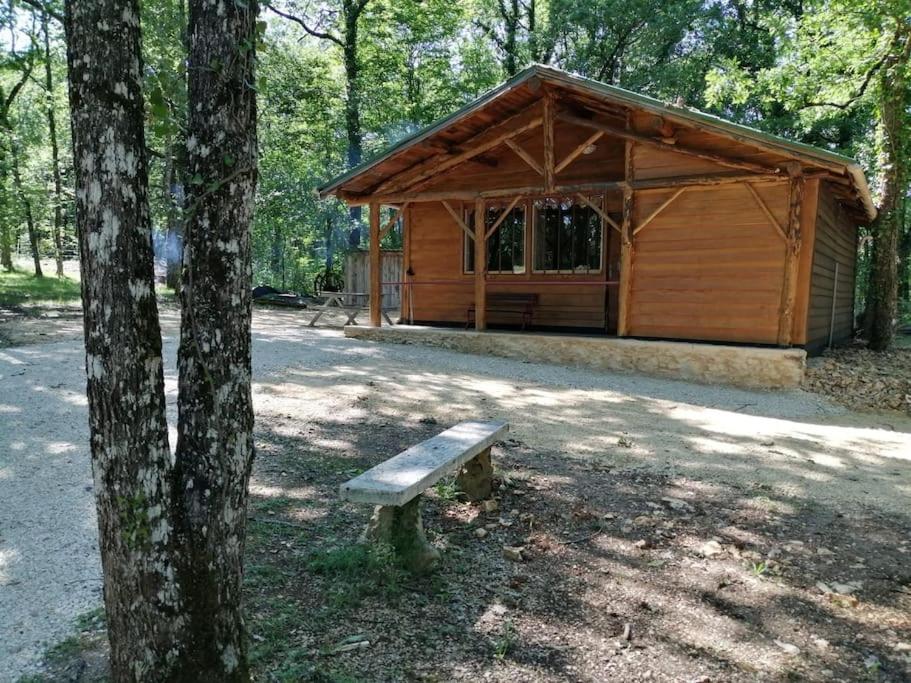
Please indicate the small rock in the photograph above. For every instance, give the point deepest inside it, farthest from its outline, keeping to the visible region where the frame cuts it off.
(676, 503)
(790, 648)
(490, 505)
(823, 587)
(513, 553)
(821, 643)
(505, 522)
(824, 552)
(642, 544)
(624, 442)
(902, 647)
(610, 515)
(846, 588)
(480, 532)
(711, 548)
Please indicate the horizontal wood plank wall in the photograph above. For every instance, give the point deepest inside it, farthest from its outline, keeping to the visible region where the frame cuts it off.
(836, 241)
(435, 246)
(710, 266)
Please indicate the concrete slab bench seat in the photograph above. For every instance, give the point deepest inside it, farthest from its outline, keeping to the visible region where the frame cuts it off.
(395, 486)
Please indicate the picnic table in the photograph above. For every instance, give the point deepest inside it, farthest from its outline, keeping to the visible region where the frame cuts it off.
(340, 300)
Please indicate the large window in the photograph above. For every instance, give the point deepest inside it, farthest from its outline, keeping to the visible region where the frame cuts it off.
(506, 246)
(567, 236)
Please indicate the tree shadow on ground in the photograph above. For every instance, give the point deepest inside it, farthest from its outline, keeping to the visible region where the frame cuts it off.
(605, 552)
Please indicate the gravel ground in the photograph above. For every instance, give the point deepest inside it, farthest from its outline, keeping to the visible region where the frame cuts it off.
(794, 444)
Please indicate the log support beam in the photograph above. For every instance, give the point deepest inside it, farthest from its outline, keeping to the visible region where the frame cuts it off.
(548, 124)
(480, 266)
(792, 256)
(694, 182)
(632, 136)
(626, 244)
(626, 265)
(376, 279)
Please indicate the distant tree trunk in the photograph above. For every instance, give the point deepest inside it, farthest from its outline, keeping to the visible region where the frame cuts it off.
(131, 460)
(174, 197)
(175, 180)
(883, 294)
(55, 150)
(215, 426)
(330, 246)
(353, 11)
(6, 241)
(27, 208)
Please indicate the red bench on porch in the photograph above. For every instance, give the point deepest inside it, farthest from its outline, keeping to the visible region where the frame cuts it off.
(510, 303)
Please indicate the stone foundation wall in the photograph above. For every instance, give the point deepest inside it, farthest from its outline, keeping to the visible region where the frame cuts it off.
(744, 366)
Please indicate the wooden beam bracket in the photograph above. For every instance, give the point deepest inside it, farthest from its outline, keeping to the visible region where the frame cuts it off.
(391, 222)
(767, 211)
(523, 154)
(601, 212)
(499, 221)
(458, 219)
(572, 156)
(654, 214)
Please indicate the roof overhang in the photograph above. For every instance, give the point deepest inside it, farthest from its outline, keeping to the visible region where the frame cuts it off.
(808, 154)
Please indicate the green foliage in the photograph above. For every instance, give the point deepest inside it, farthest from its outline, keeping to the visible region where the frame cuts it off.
(798, 69)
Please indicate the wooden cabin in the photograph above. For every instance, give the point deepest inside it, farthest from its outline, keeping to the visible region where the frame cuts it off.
(556, 202)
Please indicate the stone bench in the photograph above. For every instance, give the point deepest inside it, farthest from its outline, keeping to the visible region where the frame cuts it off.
(395, 486)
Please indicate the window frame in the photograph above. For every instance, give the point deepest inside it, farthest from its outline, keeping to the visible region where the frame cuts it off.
(534, 236)
(467, 216)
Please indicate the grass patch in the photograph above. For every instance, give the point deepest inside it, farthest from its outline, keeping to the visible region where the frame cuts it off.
(359, 571)
(20, 288)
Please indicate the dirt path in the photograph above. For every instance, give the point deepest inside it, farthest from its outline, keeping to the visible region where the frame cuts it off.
(582, 442)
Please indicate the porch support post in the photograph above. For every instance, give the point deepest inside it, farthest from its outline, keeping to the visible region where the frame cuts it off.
(626, 245)
(792, 256)
(480, 266)
(376, 275)
(626, 264)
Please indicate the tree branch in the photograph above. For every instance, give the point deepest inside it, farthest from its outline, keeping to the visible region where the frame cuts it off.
(322, 35)
(41, 7)
(863, 86)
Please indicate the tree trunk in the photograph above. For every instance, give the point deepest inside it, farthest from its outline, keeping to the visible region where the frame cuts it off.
(883, 293)
(353, 95)
(27, 207)
(6, 241)
(215, 426)
(175, 200)
(55, 150)
(131, 460)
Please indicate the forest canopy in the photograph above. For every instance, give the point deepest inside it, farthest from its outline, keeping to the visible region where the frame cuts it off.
(339, 80)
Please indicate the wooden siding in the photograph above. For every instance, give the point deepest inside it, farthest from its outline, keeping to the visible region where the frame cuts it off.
(836, 242)
(710, 266)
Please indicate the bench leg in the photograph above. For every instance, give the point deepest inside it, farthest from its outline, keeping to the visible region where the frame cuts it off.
(402, 528)
(475, 479)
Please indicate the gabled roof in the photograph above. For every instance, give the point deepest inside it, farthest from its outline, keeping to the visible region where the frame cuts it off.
(388, 163)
